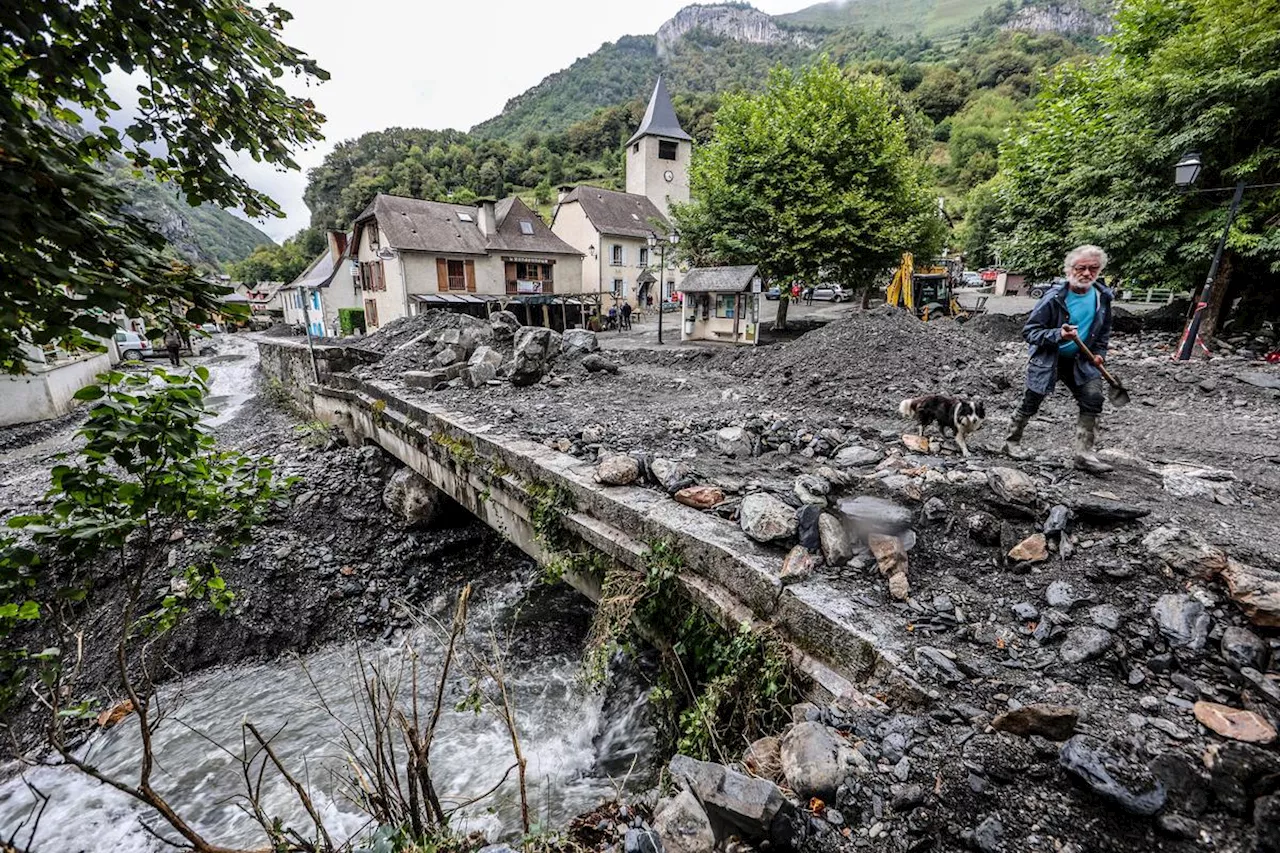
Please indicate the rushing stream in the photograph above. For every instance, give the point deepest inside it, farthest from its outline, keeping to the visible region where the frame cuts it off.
(577, 744)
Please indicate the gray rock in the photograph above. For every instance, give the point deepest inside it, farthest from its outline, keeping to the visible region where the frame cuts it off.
(1026, 611)
(837, 549)
(1243, 649)
(1131, 787)
(532, 356)
(1182, 620)
(936, 509)
(672, 476)
(766, 519)
(1184, 551)
(799, 564)
(734, 441)
(865, 515)
(1056, 523)
(989, 835)
(754, 809)
(618, 470)
(855, 456)
(485, 355)
(812, 761)
(637, 840)
(1240, 772)
(1085, 644)
(480, 374)
(683, 826)
(1060, 594)
(412, 497)
(1012, 486)
(807, 527)
(504, 325)
(811, 490)
(984, 528)
(579, 342)
(1266, 823)
(1106, 616)
(596, 363)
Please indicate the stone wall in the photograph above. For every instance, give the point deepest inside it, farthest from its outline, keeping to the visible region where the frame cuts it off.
(288, 362)
(48, 391)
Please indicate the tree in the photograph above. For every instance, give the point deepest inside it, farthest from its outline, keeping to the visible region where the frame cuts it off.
(811, 179)
(942, 92)
(203, 72)
(1094, 160)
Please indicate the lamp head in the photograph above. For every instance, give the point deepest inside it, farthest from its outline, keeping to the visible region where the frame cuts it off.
(1187, 170)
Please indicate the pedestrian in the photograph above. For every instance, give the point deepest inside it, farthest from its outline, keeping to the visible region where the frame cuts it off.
(795, 292)
(808, 295)
(1078, 309)
(173, 344)
(613, 318)
(626, 316)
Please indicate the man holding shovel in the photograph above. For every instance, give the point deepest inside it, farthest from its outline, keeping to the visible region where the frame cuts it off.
(1067, 335)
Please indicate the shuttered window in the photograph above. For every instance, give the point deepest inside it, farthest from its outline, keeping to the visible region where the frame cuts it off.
(371, 275)
(371, 313)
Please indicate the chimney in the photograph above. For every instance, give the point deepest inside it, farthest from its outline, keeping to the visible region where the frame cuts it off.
(337, 243)
(487, 220)
(561, 192)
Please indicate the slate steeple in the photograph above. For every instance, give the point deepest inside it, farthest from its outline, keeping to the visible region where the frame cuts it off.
(660, 118)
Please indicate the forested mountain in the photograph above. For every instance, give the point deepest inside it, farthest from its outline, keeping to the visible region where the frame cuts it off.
(897, 16)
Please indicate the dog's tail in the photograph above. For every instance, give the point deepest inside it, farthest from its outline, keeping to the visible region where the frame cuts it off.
(907, 408)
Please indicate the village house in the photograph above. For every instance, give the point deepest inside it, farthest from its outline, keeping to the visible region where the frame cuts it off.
(721, 304)
(413, 255)
(314, 299)
(615, 229)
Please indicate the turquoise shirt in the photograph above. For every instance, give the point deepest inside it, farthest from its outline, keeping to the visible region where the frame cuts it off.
(1081, 308)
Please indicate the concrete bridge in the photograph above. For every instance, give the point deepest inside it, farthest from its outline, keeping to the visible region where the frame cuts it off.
(510, 483)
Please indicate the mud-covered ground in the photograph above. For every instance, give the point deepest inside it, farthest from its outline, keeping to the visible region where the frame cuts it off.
(1197, 451)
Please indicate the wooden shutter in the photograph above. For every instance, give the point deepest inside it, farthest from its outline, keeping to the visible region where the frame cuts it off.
(371, 313)
(510, 277)
(442, 275)
(471, 276)
(380, 281)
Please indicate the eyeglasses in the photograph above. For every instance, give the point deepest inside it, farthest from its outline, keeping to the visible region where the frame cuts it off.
(1086, 268)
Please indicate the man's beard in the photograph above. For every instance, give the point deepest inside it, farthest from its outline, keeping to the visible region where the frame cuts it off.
(1078, 285)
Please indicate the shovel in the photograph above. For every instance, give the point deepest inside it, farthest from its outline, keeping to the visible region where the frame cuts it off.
(1116, 393)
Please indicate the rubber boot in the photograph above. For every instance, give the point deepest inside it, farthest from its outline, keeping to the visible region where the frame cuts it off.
(1013, 441)
(1086, 434)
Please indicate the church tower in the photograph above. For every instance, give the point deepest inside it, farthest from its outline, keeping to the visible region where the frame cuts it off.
(658, 155)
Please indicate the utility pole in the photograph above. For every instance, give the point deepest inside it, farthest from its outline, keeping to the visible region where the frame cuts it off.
(306, 322)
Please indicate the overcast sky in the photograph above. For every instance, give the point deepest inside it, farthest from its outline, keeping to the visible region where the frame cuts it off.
(436, 65)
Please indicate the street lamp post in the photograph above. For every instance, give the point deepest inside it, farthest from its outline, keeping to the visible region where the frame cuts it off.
(1185, 173)
(673, 238)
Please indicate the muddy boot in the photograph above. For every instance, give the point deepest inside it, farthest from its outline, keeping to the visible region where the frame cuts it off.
(1013, 441)
(1085, 459)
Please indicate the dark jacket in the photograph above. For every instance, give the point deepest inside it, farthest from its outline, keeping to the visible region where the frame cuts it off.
(1043, 333)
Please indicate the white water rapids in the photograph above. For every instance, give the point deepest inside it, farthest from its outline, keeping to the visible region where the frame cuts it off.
(573, 742)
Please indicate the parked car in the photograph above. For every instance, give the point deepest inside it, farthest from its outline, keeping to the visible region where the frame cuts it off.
(773, 293)
(210, 328)
(830, 293)
(1040, 288)
(132, 346)
(973, 278)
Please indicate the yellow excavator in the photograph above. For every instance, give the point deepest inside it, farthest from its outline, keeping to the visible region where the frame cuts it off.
(926, 291)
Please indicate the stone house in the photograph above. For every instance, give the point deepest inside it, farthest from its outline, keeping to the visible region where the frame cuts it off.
(327, 285)
(412, 255)
(613, 228)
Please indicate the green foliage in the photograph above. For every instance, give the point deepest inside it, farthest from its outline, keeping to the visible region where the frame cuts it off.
(206, 86)
(273, 263)
(350, 319)
(811, 179)
(892, 16)
(146, 462)
(1093, 162)
(942, 92)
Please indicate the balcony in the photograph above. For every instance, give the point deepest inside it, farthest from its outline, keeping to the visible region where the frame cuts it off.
(521, 287)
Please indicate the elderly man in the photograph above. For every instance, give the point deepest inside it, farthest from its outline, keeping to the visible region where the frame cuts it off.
(1079, 310)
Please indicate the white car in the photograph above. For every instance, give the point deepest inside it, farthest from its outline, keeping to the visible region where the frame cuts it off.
(830, 293)
(132, 346)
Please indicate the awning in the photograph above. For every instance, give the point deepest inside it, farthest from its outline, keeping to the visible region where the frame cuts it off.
(482, 298)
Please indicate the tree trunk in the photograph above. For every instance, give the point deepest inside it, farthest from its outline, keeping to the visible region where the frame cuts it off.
(1214, 311)
(866, 296)
(780, 323)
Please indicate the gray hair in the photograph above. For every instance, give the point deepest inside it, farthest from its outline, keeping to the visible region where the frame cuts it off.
(1085, 251)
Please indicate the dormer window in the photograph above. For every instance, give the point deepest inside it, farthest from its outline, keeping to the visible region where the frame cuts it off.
(526, 227)
(373, 236)
(667, 149)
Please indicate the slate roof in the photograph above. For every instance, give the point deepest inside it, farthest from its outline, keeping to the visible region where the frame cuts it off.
(620, 214)
(660, 118)
(317, 274)
(417, 225)
(718, 279)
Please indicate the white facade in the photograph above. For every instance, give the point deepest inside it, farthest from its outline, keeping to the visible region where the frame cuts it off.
(659, 169)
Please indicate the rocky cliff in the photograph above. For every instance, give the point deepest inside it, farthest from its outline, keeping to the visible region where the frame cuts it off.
(1064, 18)
(738, 22)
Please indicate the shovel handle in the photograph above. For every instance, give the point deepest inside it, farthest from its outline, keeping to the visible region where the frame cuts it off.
(1106, 374)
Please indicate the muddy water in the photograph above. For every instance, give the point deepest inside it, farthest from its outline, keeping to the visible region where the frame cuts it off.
(578, 745)
(232, 375)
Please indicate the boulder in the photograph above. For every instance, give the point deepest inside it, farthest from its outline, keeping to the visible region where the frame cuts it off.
(855, 456)
(1182, 620)
(504, 325)
(837, 549)
(672, 476)
(1184, 551)
(1055, 722)
(1256, 591)
(1242, 648)
(1012, 486)
(480, 374)
(1085, 644)
(1235, 723)
(579, 342)
(1033, 549)
(811, 489)
(764, 518)
(618, 470)
(812, 761)
(1130, 786)
(799, 564)
(700, 497)
(865, 515)
(485, 355)
(807, 527)
(532, 357)
(683, 826)
(763, 758)
(411, 497)
(734, 441)
(596, 363)
(754, 809)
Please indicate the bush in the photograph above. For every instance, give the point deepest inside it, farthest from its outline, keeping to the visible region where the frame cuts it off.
(350, 319)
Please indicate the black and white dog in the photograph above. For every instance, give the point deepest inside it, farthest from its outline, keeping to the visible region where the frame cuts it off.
(964, 417)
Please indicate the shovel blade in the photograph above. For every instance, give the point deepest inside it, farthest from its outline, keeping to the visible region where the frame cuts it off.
(1118, 396)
